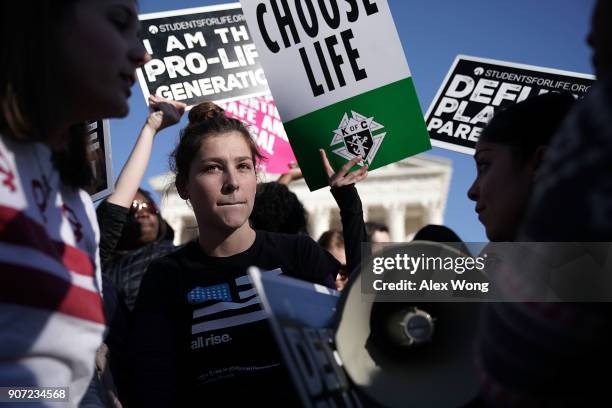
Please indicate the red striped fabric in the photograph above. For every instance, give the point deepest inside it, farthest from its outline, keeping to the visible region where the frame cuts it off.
(18, 229)
(36, 288)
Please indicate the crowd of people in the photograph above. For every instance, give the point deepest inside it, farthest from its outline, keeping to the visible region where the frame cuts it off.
(101, 301)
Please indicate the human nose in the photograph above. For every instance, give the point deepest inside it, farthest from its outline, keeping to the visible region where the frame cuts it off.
(474, 191)
(138, 54)
(230, 184)
(590, 40)
(142, 213)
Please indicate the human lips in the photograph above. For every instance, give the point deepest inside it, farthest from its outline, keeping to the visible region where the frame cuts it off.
(227, 204)
(479, 211)
(128, 80)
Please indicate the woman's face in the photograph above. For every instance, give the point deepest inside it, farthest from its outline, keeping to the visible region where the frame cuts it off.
(222, 182)
(501, 189)
(100, 52)
(145, 214)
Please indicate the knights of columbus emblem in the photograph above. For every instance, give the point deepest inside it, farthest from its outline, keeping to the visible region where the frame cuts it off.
(355, 133)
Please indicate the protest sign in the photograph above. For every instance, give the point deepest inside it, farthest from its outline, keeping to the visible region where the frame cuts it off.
(101, 159)
(200, 54)
(263, 121)
(475, 88)
(340, 80)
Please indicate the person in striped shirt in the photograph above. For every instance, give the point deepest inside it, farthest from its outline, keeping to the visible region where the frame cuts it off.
(74, 62)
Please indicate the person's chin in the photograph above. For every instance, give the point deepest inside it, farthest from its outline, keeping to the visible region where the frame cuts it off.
(117, 106)
(496, 235)
(114, 111)
(122, 109)
(234, 223)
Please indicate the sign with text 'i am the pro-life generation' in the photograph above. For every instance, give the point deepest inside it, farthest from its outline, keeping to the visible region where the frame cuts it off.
(340, 80)
(200, 54)
(476, 88)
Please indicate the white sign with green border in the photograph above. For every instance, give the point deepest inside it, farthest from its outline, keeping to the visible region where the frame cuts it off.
(340, 79)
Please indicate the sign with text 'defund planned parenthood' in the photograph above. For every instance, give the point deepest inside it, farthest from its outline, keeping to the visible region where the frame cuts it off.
(475, 88)
(200, 54)
(341, 82)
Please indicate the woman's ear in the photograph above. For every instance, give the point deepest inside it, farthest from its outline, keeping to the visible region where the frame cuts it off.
(538, 161)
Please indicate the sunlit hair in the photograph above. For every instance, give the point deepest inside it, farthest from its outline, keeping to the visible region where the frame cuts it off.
(25, 82)
(206, 120)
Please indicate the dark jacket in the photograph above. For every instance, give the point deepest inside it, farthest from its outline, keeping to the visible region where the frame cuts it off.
(126, 267)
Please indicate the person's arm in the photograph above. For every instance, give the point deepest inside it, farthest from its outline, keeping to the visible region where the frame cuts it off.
(111, 218)
(163, 113)
(353, 226)
(112, 212)
(294, 173)
(343, 189)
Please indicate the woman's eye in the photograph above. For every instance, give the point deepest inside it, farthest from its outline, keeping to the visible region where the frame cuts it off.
(121, 19)
(122, 25)
(212, 169)
(482, 167)
(244, 166)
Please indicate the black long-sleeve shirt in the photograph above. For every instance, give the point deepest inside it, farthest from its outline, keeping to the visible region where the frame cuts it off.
(353, 226)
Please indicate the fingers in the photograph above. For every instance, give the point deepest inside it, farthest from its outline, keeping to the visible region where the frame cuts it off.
(352, 178)
(328, 168)
(169, 112)
(156, 101)
(342, 177)
(153, 100)
(348, 165)
(359, 175)
(179, 106)
(339, 178)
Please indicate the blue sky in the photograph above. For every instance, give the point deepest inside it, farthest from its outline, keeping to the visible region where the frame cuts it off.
(548, 33)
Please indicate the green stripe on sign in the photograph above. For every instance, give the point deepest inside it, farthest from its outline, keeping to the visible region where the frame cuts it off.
(395, 107)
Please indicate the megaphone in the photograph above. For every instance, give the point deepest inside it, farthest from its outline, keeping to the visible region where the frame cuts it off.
(400, 354)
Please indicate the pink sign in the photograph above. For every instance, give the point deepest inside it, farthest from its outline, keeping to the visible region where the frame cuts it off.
(267, 129)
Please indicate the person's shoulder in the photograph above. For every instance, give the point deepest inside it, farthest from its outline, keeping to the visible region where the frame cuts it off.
(163, 271)
(10, 143)
(166, 247)
(175, 253)
(285, 240)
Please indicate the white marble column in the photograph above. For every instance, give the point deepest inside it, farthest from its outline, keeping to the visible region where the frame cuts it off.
(432, 214)
(395, 220)
(436, 216)
(177, 225)
(318, 221)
